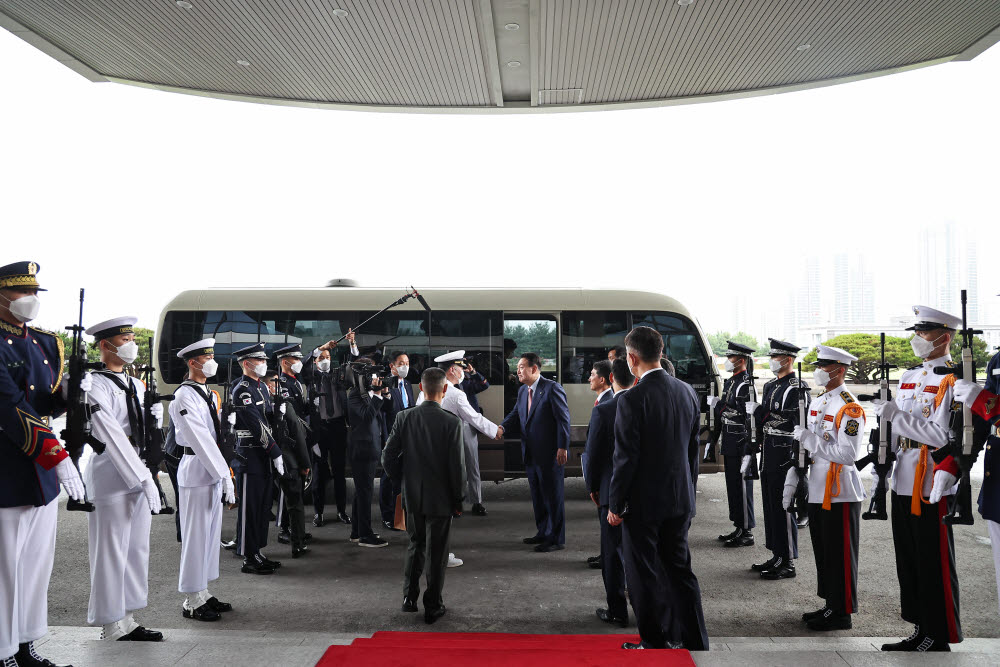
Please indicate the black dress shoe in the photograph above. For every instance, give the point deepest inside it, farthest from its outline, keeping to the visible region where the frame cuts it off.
(202, 613)
(907, 644)
(596, 564)
(167, 509)
(141, 634)
(253, 567)
(606, 616)
(298, 552)
(433, 615)
(27, 657)
(537, 539)
(388, 525)
(766, 565)
(478, 509)
(264, 560)
(318, 520)
(545, 548)
(675, 645)
(803, 522)
(783, 571)
(744, 539)
(631, 645)
(409, 606)
(810, 615)
(307, 537)
(229, 546)
(593, 559)
(342, 516)
(726, 538)
(217, 605)
(830, 621)
(285, 537)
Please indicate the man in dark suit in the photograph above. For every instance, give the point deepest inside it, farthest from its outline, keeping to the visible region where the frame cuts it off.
(400, 398)
(653, 490)
(599, 465)
(364, 407)
(424, 454)
(541, 420)
(600, 384)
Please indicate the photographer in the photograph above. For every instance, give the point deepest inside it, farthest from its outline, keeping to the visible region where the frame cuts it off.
(367, 418)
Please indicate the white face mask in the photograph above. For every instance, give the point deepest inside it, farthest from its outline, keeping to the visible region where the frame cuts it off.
(922, 347)
(24, 309)
(729, 366)
(775, 365)
(210, 367)
(323, 365)
(821, 377)
(127, 352)
(260, 370)
(402, 371)
(297, 366)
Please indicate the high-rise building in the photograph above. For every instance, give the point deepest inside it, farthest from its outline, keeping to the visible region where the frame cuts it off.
(854, 295)
(948, 264)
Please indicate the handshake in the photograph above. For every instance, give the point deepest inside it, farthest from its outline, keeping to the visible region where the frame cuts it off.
(499, 435)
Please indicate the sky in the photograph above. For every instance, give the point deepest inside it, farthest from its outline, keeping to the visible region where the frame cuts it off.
(138, 194)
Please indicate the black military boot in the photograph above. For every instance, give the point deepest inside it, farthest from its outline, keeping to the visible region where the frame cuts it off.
(783, 569)
(27, 657)
(744, 539)
(726, 538)
(830, 620)
(141, 634)
(284, 536)
(767, 565)
(907, 644)
(318, 520)
(344, 518)
(810, 615)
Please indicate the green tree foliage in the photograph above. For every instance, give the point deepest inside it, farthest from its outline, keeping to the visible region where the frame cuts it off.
(538, 337)
(867, 349)
(93, 354)
(719, 342)
(980, 351)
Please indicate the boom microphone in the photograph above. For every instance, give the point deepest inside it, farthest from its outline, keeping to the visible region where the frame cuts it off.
(422, 300)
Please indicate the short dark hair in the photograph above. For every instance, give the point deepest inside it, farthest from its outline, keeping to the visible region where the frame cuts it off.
(619, 351)
(509, 344)
(603, 369)
(668, 366)
(646, 342)
(532, 359)
(623, 376)
(432, 381)
(396, 355)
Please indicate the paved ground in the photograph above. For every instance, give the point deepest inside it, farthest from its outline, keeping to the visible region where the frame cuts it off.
(504, 586)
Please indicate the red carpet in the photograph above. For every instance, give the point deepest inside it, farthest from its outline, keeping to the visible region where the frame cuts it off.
(488, 649)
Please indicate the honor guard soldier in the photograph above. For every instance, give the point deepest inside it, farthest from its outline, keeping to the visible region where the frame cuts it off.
(731, 415)
(779, 415)
(257, 451)
(925, 547)
(34, 464)
(289, 362)
(204, 481)
(121, 488)
(835, 429)
(291, 438)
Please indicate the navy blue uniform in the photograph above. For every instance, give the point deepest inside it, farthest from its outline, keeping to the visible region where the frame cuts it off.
(989, 494)
(255, 449)
(731, 415)
(292, 390)
(31, 363)
(779, 414)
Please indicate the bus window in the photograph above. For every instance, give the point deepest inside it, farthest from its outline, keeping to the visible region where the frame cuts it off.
(681, 343)
(587, 337)
(534, 333)
(478, 332)
(399, 331)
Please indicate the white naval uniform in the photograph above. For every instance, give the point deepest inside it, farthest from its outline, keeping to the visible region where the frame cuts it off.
(119, 525)
(839, 443)
(27, 552)
(199, 482)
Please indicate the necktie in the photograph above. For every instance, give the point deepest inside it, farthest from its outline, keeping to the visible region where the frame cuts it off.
(402, 393)
(596, 401)
(530, 394)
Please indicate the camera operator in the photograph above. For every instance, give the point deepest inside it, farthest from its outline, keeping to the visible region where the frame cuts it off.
(329, 429)
(367, 418)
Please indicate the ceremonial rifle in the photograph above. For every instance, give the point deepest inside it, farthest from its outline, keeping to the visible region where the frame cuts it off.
(152, 435)
(710, 424)
(753, 472)
(800, 501)
(879, 443)
(77, 432)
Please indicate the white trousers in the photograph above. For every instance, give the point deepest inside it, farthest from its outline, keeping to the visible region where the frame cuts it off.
(995, 540)
(27, 549)
(119, 557)
(201, 536)
(472, 476)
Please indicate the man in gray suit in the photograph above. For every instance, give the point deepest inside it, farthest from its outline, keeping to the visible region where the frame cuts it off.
(425, 453)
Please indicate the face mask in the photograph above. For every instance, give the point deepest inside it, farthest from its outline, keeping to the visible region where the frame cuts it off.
(922, 347)
(403, 371)
(775, 365)
(729, 366)
(323, 365)
(24, 309)
(127, 352)
(210, 367)
(297, 366)
(260, 370)
(821, 377)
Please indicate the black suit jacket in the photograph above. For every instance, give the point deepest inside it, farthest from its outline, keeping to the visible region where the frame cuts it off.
(367, 425)
(394, 406)
(601, 446)
(656, 449)
(425, 452)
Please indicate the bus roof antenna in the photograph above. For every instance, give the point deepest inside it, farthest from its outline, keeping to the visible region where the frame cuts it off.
(342, 282)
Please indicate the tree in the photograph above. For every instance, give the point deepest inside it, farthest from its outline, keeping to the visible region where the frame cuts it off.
(142, 336)
(866, 348)
(719, 342)
(980, 351)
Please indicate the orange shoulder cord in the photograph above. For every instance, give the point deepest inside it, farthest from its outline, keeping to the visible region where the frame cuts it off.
(832, 476)
(918, 483)
(218, 401)
(852, 410)
(947, 383)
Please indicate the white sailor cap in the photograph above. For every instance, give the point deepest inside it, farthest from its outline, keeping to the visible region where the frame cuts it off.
(929, 319)
(456, 357)
(833, 355)
(205, 346)
(116, 326)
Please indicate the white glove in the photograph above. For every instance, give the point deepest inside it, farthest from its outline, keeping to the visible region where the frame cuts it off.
(316, 353)
(791, 483)
(231, 419)
(279, 465)
(744, 464)
(316, 401)
(228, 492)
(885, 409)
(282, 408)
(943, 482)
(86, 384)
(69, 477)
(157, 411)
(808, 439)
(752, 407)
(712, 401)
(317, 451)
(966, 391)
(152, 495)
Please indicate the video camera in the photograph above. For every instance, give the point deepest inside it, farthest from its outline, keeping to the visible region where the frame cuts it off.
(360, 375)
